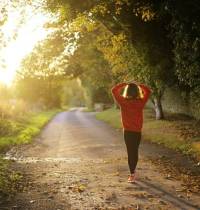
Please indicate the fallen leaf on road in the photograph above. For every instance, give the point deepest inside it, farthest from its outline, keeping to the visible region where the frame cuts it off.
(139, 194)
(180, 190)
(137, 207)
(180, 196)
(116, 174)
(168, 176)
(81, 188)
(162, 202)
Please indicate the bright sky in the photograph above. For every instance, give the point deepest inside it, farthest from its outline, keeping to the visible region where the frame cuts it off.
(29, 33)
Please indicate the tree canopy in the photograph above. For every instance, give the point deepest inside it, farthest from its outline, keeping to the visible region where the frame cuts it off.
(104, 42)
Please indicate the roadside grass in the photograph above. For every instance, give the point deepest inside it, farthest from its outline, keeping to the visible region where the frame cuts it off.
(9, 180)
(177, 132)
(111, 116)
(22, 130)
(14, 132)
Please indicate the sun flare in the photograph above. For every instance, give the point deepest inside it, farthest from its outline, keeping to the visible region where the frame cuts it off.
(28, 34)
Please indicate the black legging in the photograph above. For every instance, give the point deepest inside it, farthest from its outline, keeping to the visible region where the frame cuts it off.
(132, 140)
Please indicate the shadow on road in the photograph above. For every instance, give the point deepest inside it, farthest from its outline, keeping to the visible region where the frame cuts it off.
(167, 196)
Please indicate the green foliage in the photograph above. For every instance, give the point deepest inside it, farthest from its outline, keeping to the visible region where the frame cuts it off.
(13, 109)
(150, 41)
(40, 78)
(125, 33)
(8, 179)
(33, 126)
(93, 70)
(41, 92)
(149, 24)
(41, 62)
(18, 132)
(119, 54)
(184, 30)
(185, 33)
(73, 93)
(127, 62)
(7, 127)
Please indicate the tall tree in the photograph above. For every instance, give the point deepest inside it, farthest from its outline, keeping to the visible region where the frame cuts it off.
(145, 38)
(38, 79)
(89, 64)
(162, 36)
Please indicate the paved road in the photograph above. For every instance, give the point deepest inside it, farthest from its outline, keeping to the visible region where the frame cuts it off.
(79, 162)
(76, 134)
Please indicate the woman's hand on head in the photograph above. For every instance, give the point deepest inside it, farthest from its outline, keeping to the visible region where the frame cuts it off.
(134, 82)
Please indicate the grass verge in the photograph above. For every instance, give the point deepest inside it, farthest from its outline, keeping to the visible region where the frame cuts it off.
(9, 180)
(23, 130)
(19, 131)
(176, 132)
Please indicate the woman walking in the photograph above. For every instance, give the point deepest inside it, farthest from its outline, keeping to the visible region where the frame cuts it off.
(131, 103)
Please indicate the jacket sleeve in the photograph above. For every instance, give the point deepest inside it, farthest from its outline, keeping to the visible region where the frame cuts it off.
(116, 90)
(146, 93)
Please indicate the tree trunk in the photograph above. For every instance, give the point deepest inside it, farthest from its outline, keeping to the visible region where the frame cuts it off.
(158, 108)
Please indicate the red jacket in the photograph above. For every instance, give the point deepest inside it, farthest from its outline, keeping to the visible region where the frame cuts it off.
(131, 110)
